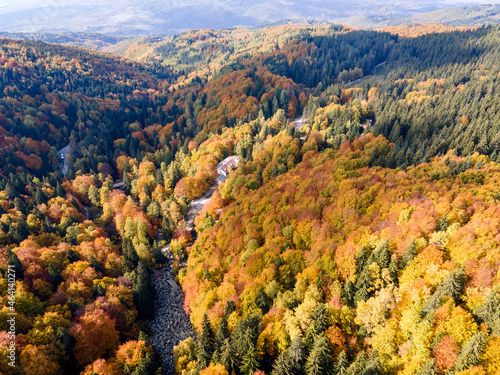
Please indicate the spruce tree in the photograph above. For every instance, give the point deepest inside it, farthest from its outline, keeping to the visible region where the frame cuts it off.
(349, 292)
(14, 261)
(262, 300)
(320, 361)
(409, 254)
(342, 363)
(229, 309)
(129, 253)
(72, 256)
(228, 356)
(358, 366)
(372, 366)
(489, 312)
(393, 270)
(318, 325)
(55, 275)
(383, 255)
(297, 354)
(220, 338)
(249, 361)
(205, 345)
(19, 231)
(282, 365)
(452, 286)
(363, 284)
(471, 352)
(428, 368)
(157, 254)
(361, 259)
(143, 292)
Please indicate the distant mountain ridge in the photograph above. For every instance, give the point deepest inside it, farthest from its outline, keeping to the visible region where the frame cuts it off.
(474, 15)
(153, 17)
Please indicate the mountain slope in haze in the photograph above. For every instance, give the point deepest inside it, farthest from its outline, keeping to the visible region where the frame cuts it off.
(475, 15)
(132, 17)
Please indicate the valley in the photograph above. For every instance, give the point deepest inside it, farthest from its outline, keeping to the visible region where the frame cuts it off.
(293, 199)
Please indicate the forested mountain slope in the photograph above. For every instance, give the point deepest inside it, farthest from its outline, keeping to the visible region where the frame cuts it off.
(346, 268)
(371, 231)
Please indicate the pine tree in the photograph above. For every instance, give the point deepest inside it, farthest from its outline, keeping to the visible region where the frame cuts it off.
(320, 361)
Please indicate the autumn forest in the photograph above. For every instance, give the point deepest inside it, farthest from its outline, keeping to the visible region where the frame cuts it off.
(358, 234)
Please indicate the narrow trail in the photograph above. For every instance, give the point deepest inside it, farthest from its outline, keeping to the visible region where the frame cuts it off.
(368, 76)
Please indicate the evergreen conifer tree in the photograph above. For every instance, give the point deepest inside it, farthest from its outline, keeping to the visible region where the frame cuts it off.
(13, 260)
(320, 361)
(342, 363)
(358, 366)
(471, 352)
(228, 356)
(297, 355)
(282, 365)
(55, 275)
(318, 325)
(428, 368)
(205, 346)
(220, 338)
(249, 361)
(143, 292)
(409, 254)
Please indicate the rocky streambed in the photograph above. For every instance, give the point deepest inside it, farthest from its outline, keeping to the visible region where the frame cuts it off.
(171, 324)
